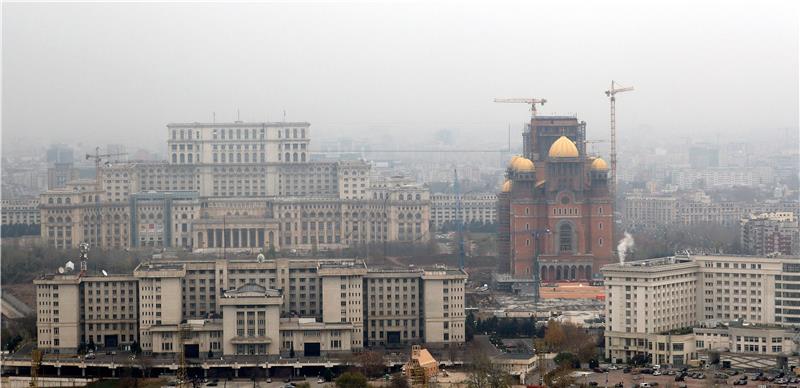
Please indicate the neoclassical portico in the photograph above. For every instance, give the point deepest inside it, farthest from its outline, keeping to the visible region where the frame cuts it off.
(235, 234)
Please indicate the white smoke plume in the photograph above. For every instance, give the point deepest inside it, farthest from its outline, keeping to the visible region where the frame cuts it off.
(624, 246)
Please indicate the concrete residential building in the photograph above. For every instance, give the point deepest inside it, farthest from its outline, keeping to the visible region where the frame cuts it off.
(20, 211)
(475, 208)
(273, 307)
(771, 233)
(74, 310)
(652, 305)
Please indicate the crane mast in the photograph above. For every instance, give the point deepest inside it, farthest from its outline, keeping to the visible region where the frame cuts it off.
(611, 93)
(459, 220)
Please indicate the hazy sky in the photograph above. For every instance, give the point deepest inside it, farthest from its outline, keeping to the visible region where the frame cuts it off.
(117, 73)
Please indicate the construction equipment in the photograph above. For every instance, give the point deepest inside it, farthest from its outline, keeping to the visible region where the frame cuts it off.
(183, 334)
(36, 361)
(98, 157)
(585, 142)
(531, 101)
(459, 220)
(611, 93)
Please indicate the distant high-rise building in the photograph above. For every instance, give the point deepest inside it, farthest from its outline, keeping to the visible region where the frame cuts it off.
(771, 233)
(59, 153)
(701, 156)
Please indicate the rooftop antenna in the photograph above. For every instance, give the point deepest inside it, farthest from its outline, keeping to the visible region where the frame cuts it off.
(284, 115)
(84, 247)
(213, 117)
(238, 115)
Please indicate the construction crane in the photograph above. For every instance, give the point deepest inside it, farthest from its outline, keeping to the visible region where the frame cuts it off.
(459, 219)
(612, 93)
(98, 158)
(531, 101)
(585, 142)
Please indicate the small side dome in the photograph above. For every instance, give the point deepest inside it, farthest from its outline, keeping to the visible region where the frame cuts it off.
(599, 165)
(507, 186)
(563, 148)
(521, 164)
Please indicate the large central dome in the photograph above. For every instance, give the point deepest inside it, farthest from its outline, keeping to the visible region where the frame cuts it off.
(563, 148)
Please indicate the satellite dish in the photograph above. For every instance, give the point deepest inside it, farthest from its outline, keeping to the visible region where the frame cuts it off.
(105, 273)
(60, 269)
(70, 266)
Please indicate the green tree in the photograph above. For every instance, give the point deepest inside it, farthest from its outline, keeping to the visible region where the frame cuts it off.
(351, 380)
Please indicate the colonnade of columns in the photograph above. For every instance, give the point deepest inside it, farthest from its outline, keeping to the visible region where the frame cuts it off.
(565, 272)
(234, 237)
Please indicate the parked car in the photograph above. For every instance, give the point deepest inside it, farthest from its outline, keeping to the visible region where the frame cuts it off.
(90, 356)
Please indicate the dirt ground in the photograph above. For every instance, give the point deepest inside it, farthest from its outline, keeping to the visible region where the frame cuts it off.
(571, 291)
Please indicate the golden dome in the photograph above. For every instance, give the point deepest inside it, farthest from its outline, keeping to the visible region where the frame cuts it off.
(563, 148)
(599, 165)
(513, 159)
(507, 186)
(520, 164)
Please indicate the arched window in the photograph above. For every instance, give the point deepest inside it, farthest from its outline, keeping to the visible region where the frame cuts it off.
(565, 238)
(287, 158)
(68, 200)
(294, 157)
(303, 157)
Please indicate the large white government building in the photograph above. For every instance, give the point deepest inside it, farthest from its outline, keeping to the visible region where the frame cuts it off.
(664, 307)
(244, 307)
(236, 186)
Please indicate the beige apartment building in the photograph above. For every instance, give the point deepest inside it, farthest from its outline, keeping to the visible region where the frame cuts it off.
(95, 309)
(271, 307)
(652, 305)
(20, 211)
(475, 208)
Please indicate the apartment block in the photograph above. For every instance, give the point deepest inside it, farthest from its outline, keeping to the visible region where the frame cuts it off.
(274, 307)
(652, 305)
(475, 208)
